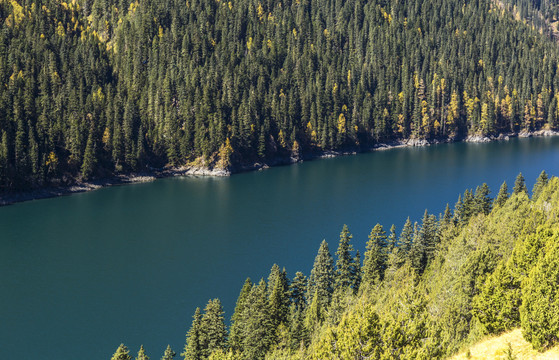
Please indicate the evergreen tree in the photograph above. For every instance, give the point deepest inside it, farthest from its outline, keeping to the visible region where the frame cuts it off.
(258, 333)
(459, 211)
(375, 256)
(503, 195)
(298, 290)
(278, 299)
(142, 354)
(344, 263)
(321, 281)
(482, 200)
(519, 185)
(392, 240)
(418, 253)
(237, 322)
(194, 347)
(212, 328)
(539, 185)
(429, 236)
(121, 353)
(169, 354)
(406, 237)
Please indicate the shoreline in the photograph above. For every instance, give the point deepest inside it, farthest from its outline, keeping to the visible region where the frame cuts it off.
(133, 178)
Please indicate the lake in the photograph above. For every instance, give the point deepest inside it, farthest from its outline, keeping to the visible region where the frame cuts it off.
(129, 264)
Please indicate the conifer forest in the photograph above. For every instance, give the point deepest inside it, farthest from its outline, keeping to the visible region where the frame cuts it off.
(94, 88)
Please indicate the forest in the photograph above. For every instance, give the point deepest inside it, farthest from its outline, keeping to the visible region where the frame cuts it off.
(485, 267)
(94, 88)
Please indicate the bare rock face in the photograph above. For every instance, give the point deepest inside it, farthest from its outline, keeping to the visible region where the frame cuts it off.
(202, 171)
(478, 139)
(417, 142)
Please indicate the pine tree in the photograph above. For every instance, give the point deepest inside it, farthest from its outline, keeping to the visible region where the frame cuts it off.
(258, 332)
(406, 238)
(482, 200)
(297, 291)
(121, 353)
(194, 348)
(89, 158)
(142, 354)
(169, 354)
(458, 210)
(356, 272)
(418, 253)
(375, 256)
(321, 281)
(212, 328)
(392, 239)
(447, 216)
(344, 263)
(519, 185)
(237, 324)
(278, 300)
(503, 195)
(539, 185)
(429, 236)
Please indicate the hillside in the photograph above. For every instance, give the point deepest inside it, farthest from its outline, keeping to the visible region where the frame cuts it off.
(93, 88)
(498, 348)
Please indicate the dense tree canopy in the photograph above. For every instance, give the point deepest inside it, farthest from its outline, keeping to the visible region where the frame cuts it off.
(91, 88)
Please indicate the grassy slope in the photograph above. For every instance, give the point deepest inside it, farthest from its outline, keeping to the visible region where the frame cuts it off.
(496, 348)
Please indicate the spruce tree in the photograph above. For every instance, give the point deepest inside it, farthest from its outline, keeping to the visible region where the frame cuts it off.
(298, 290)
(482, 200)
(356, 272)
(503, 195)
(169, 354)
(418, 253)
(446, 218)
(392, 239)
(194, 347)
(142, 354)
(539, 185)
(258, 333)
(519, 185)
(212, 328)
(278, 300)
(321, 281)
(406, 238)
(375, 256)
(468, 206)
(121, 353)
(237, 322)
(458, 211)
(344, 263)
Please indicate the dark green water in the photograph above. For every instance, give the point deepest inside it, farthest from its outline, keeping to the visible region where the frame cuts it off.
(80, 274)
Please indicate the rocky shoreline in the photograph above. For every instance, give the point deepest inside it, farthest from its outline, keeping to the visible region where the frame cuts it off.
(198, 170)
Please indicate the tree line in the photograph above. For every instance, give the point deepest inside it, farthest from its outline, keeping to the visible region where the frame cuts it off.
(485, 267)
(93, 88)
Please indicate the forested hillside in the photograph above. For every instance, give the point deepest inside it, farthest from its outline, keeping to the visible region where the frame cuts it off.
(91, 88)
(423, 292)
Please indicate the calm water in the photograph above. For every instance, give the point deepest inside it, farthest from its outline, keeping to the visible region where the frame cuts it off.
(80, 274)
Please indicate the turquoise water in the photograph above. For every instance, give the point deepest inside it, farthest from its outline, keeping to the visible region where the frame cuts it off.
(80, 274)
